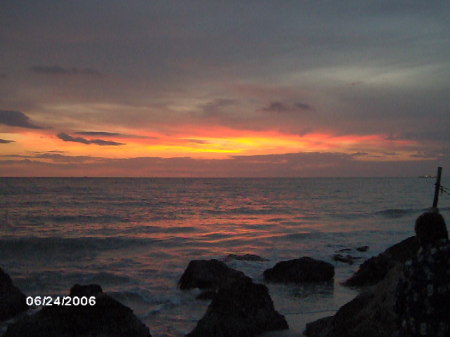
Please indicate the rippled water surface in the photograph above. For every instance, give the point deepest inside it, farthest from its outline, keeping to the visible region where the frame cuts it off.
(136, 236)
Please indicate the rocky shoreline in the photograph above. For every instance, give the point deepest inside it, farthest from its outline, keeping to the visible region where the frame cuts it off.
(371, 313)
(239, 306)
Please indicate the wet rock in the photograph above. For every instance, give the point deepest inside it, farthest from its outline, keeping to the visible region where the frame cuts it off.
(107, 317)
(206, 295)
(375, 269)
(370, 314)
(343, 258)
(240, 309)
(86, 290)
(245, 257)
(12, 300)
(320, 328)
(344, 250)
(305, 269)
(362, 249)
(208, 274)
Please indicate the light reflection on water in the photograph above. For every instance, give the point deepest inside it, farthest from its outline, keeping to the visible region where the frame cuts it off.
(136, 236)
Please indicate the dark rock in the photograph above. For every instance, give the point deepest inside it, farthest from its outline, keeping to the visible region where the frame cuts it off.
(343, 258)
(305, 269)
(245, 257)
(370, 314)
(320, 328)
(240, 309)
(211, 274)
(362, 249)
(87, 290)
(12, 300)
(206, 295)
(344, 250)
(107, 317)
(375, 269)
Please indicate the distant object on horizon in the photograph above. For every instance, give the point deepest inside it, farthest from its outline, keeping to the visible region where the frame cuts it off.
(427, 176)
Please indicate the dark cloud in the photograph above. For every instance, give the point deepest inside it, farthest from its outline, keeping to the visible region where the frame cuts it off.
(57, 70)
(5, 141)
(98, 133)
(216, 106)
(104, 142)
(111, 134)
(59, 158)
(427, 155)
(67, 138)
(197, 141)
(302, 106)
(16, 118)
(360, 154)
(3, 75)
(281, 107)
(303, 164)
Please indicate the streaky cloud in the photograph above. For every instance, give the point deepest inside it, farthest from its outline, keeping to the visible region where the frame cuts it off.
(16, 118)
(5, 141)
(58, 70)
(98, 133)
(67, 138)
(280, 107)
(111, 134)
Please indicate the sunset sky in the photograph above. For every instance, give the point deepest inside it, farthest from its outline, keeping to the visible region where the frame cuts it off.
(224, 88)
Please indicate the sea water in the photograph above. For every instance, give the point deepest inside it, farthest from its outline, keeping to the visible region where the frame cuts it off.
(135, 236)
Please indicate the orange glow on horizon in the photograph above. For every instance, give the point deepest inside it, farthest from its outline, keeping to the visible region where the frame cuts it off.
(202, 143)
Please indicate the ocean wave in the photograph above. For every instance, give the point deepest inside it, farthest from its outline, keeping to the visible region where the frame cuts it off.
(84, 218)
(298, 236)
(66, 246)
(158, 229)
(397, 212)
(248, 211)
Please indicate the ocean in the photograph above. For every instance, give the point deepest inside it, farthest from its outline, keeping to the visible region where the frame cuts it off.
(136, 236)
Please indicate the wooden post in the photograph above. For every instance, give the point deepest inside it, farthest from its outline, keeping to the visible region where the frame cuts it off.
(437, 187)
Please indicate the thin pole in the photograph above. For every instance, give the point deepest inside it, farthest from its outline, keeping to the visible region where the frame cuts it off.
(437, 187)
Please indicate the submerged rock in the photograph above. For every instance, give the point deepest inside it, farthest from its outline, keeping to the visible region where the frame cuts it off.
(12, 300)
(370, 314)
(343, 258)
(362, 249)
(107, 317)
(245, 257)
(305, 269)
(240, 309)
(208, 274)
(344, 250)
(375, 269)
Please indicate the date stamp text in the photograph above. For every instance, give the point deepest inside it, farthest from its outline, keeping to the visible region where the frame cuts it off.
(48, 301)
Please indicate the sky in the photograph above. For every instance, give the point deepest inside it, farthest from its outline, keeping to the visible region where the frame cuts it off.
(215, 88)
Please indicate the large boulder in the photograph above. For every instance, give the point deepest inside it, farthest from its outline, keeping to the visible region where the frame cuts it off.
(370, 314)
(107, 317)
(12, 300)
(240, 309)
(305, 269)
(375, 269)
(208, 274)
